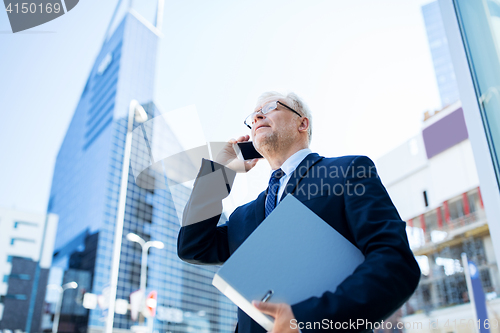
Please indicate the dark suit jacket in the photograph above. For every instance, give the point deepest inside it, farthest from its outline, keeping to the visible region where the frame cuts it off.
(347, 193)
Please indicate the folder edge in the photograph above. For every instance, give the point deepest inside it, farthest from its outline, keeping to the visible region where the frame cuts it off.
(263, 320)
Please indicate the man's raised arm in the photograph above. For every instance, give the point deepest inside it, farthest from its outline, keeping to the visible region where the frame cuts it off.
(200, 240)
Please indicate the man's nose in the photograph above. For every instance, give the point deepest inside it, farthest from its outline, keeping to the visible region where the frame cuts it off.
(257, 116)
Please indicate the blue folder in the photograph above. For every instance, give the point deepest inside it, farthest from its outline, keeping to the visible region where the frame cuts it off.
(291, 256)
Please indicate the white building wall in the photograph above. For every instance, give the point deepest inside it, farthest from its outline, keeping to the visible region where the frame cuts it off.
(453, 171)
(402, 161)
(406, 172)
(407, 194)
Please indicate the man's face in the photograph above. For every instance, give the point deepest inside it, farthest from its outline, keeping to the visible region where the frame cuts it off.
(275, 130)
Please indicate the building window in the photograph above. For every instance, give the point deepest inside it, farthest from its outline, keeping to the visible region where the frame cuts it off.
(474, 202)
(5, 278)
(426, 201)
(13, 240)
(9, 258)
(25, 277)
(20, 297)
(456, 208)
(29, 224)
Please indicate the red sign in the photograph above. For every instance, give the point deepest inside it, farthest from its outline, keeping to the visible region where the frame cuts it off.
(151, 303)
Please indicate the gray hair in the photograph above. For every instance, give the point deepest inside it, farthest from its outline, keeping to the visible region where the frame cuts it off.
(293, 101)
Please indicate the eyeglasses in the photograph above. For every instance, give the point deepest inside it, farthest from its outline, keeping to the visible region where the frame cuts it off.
(265, 110)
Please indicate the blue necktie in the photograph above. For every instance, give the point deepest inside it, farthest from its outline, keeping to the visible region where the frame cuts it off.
(272, 190)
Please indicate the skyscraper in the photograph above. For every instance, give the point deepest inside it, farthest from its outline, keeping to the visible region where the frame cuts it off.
(85, 191)
(438, 44)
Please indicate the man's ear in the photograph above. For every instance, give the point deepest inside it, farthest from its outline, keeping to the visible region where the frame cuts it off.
(304, 125)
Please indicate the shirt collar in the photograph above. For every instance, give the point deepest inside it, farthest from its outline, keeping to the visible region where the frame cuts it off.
(293, 161)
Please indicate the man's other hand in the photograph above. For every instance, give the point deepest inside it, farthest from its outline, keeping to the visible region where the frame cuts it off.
(227, 156)
(282, 314)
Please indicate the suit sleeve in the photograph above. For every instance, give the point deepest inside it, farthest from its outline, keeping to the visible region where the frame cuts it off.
(388, 276)
(200, 240)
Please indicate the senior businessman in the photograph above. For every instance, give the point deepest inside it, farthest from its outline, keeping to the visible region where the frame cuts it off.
(345, 192)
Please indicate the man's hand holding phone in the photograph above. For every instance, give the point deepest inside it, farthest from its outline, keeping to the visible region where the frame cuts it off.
(229, 158)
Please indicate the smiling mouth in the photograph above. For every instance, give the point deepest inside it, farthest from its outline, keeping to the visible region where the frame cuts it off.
(258, 128)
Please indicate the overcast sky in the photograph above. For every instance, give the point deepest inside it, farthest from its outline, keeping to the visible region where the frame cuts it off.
(363, 67)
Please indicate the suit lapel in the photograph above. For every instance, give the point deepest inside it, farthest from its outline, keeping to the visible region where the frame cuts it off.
(300, 172)
(260, 208)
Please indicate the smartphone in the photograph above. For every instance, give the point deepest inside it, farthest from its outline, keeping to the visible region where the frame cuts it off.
(246, 151)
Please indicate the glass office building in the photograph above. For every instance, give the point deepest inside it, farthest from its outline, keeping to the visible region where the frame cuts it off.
(473, 32)
(480, 26)
(438, 44)
(85, 192)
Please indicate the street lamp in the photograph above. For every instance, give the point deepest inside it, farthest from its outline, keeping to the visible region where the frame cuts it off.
(57, 315)
(135, 109)
(144, 260)
(144, 266)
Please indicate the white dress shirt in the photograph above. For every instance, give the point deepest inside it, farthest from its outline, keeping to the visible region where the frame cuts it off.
(289, 167)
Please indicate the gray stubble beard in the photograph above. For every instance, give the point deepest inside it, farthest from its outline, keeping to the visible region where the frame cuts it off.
(276, 142)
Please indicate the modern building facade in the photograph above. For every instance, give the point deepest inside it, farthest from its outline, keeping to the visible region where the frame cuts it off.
(473, 35)
(434, 183)
(441, 58)
(25, 259)
(85, 192)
